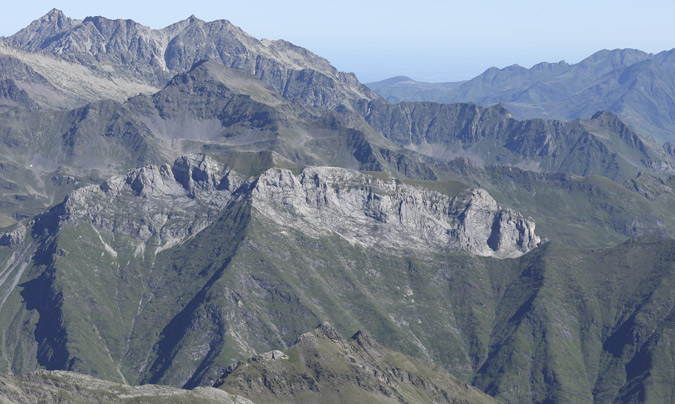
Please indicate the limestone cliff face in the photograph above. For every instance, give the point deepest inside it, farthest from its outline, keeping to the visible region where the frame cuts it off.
(322, 201)
(165, 205)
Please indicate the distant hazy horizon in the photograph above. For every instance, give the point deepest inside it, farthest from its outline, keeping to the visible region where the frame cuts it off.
(428, 42)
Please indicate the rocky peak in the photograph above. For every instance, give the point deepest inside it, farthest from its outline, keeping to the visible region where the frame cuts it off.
(605, 116)
(198, 171)
(328, 330)
(323, 201)
(108, 27)
(320, 367)
(43, 29)
(323, 330)
(606, 59)
(56, 18)
(613, 123)
(550, 66)
(138, 53)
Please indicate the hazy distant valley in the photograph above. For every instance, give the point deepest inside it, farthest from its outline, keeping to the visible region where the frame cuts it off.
(192, 214)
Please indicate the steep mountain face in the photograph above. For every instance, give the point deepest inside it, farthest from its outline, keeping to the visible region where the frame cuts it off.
(126, 49)
(54, 83)
(322, 367)
(636, 86)
(370, 212)
(584, 212)
(17, 80)
(490, 136)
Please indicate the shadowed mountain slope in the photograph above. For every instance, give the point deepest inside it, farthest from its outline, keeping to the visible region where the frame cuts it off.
(603, 145)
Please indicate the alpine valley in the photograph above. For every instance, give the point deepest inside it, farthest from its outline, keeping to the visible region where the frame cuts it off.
(195, 215)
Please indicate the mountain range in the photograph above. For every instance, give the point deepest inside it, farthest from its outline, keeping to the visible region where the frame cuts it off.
(639, 87)
(181, 204)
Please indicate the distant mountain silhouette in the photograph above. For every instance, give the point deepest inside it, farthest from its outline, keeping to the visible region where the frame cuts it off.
(639, 87)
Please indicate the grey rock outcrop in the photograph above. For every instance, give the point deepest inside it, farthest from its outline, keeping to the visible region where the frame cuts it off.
(162, 205)
(14, 237)
(322, 201)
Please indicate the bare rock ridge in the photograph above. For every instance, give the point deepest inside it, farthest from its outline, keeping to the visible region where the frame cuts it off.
(369, 211)
(602, 145)
(323, 367)
(173, 203)
(71, 388)
(124, 49)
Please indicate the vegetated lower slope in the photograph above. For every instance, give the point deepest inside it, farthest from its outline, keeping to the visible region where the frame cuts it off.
(637, 86)
(318, 367)
(322, 367)
(94, 291)
(75, 388)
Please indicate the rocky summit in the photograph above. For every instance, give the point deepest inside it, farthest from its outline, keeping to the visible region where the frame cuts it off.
(180, 208)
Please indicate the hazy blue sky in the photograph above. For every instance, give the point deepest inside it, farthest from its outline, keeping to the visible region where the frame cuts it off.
(424, 39)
